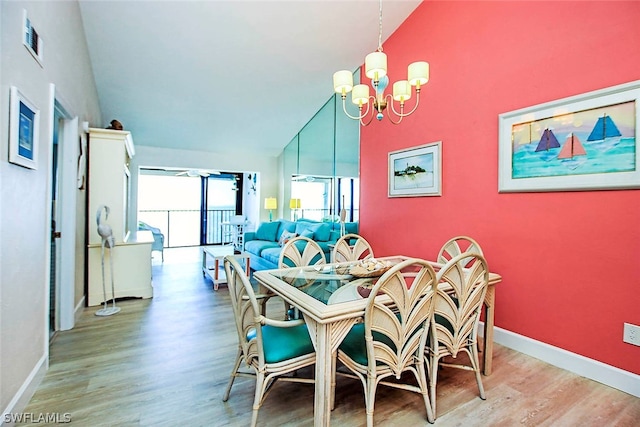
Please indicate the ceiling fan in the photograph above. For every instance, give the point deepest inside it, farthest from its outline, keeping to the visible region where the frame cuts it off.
(198, 172)
(306, 178)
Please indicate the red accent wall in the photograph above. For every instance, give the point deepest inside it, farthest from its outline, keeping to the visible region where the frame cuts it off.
(570, 261)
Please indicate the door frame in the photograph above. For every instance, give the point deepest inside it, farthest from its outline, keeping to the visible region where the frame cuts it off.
(68, 146)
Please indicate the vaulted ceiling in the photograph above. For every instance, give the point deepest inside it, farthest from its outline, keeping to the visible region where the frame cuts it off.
(226, 76)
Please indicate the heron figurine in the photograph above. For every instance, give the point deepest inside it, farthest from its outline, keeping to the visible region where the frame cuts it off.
(108, 241)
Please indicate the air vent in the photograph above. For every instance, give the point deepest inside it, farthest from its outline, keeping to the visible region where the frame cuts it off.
(32, 40)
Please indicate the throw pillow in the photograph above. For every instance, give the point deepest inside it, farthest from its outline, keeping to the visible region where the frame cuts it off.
(267, 231)
(285, 225)
(307, 233)
(285, 237)
(321, 234)
(300, 227)
(311, 226)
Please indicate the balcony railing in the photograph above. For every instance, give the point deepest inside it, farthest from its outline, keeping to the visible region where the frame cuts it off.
(181, 227)
(323, 215)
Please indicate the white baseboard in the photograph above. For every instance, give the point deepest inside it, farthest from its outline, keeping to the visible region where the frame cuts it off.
(26, 392)
(606, 374)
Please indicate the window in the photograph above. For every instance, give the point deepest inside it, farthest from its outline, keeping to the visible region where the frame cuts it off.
(322, 198)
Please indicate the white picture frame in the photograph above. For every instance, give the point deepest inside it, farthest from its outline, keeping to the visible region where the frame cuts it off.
(554, 147)
(416, 171)
(24, 130)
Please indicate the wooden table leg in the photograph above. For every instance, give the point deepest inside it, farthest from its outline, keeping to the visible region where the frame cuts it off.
(322, 404)
(487, 347)
(326, 338)
(216, 264)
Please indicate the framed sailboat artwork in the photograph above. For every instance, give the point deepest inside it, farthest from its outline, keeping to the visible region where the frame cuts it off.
(585, 142)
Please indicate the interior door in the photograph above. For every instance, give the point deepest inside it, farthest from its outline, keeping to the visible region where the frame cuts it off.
(64, 168)
(54, 278)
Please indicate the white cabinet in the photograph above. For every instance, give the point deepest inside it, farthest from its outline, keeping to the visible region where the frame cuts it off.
(131, 269)
(110, 152)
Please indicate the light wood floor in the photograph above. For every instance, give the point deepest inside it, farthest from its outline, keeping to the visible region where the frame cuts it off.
(166, 361)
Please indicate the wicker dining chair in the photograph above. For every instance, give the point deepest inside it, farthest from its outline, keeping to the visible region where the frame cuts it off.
(351, 247)
(462, 285)
(456, 246)
(270, 348)
(392, 339)
(299, 252)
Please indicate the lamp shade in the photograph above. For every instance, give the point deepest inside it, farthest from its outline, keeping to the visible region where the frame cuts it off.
(375, 65)
(342, 81)
(418, 73)
(360, 95)
(401, 91)
(271, 203)
(295, 204)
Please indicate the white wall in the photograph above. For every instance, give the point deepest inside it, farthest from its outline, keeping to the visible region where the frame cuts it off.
(24, 229)
(267, 168)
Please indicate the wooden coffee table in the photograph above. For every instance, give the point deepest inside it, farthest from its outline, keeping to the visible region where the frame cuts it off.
(217, 254)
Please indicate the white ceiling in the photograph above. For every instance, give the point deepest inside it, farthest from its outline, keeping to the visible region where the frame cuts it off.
(226, 76)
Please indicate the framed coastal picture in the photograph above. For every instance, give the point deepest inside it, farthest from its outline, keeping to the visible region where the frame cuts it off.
(24, 130)
(585, 142)
(416, 171)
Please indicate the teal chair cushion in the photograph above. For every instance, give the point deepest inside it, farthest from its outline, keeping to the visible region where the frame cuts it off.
(355, 347)
(443, 320)
(282, 344)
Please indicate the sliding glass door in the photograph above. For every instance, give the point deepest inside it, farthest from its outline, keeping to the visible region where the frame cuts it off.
(189, 210)
(221, 200)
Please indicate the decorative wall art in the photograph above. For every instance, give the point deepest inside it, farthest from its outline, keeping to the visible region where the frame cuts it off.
(24, 130)
(416, 171)
(585, 142)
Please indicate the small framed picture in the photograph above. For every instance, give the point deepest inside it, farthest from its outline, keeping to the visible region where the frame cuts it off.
(24, 130)
(416, 171)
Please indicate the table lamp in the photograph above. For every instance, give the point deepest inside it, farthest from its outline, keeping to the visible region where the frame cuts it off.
(271, 203)
(295, 204)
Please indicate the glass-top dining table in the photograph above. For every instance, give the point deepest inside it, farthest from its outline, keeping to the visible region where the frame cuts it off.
(332, 301)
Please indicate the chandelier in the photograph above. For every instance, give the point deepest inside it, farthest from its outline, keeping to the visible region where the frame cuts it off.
(376, 70)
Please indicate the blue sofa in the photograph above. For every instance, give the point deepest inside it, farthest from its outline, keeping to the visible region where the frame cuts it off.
(265, 244)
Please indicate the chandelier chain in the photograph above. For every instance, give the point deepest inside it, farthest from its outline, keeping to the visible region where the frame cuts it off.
(380, 29)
